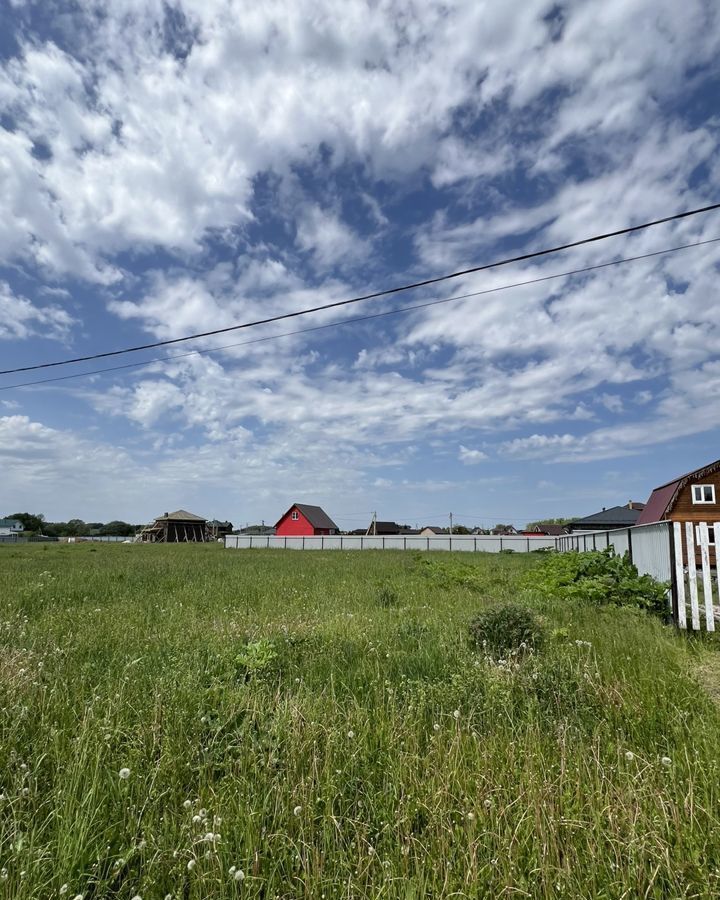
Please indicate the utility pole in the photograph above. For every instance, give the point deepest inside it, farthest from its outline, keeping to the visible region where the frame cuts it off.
(450, 523)
(375, 523)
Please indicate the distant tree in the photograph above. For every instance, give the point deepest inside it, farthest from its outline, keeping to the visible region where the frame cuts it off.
(76, 527)
(117, 527)
(501, 527)
(460, 529)
(29, 521)
(531, 525)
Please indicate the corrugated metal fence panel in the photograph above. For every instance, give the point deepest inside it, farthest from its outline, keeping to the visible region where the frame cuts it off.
(480, 543)
(651, 550)
(618, 540)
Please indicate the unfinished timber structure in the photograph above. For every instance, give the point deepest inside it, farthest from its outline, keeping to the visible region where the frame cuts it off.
(177, 527)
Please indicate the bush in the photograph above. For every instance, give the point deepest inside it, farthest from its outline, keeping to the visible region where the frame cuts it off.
(501, 629)
(600, 578)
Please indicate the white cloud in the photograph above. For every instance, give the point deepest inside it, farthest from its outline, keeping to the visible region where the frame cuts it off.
(331, 242)
(148, 149)
(470, 457)
(20, 318)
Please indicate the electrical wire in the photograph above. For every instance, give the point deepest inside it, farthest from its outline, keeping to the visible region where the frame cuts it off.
(384, 293)
(356, 319)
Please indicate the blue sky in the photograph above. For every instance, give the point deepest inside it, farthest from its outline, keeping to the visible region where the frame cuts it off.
(173, 167)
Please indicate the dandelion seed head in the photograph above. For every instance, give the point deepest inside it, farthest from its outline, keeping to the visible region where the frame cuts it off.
(666, 761)
(197, 819)
(629, 755)
(471, 816)
(351, 734)
(232, 870)
(436, 727)
(239, 875)
(456, 714)
(124, 773)
(297, 810)
(191, 865)
(188, 804)
(63, 889)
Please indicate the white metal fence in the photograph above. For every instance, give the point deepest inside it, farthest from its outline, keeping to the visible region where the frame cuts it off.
(462, 542)
(648, 546)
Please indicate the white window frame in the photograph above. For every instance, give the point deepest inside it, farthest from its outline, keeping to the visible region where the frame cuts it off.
(295, 515)
(700, 489)
(711, 535)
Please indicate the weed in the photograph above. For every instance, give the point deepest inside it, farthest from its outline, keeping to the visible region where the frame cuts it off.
(501, 629)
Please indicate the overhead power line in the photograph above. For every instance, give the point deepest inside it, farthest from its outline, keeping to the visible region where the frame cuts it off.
(356, 319)
(384, 293)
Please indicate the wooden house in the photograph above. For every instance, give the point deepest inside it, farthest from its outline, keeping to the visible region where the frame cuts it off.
(178, 527)
(693, 497)
(302, 520)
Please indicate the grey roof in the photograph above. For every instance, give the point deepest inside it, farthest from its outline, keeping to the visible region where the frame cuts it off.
(315, 515)
(616, 515)
(180, 515)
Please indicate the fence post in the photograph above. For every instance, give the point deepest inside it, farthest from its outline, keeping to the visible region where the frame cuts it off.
(630, 553)
(501, 543)
(528, 545)
(673, 575)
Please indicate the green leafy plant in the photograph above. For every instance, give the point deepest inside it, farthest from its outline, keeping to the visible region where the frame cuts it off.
(600, 578)
(256, 658)
(501, 629)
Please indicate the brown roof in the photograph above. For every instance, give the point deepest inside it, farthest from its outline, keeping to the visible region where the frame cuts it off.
(550, 528)
(662, 498)
(180, 515)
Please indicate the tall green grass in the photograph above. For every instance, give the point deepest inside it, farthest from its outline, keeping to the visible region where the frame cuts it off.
(320, 723)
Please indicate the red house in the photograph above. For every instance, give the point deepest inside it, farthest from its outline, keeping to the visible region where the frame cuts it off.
(302, 520)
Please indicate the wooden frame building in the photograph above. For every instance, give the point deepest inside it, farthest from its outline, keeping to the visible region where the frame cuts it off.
(179, 527)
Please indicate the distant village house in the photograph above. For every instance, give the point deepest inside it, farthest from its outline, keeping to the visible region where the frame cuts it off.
(303, 520)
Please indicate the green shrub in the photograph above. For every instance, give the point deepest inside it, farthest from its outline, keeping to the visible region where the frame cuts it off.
(502, 629)
(600, 578)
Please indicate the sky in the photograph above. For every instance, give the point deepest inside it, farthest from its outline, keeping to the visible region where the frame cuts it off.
(168, 168)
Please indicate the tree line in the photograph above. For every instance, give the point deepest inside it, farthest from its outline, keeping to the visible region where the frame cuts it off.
(34, 523)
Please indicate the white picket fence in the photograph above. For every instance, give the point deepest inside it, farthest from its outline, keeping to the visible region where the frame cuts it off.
(668, 552)
(697, 537)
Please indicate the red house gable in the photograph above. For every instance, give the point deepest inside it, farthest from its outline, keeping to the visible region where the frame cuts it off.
(302, 520)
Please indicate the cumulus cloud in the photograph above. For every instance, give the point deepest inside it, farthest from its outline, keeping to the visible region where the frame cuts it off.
(20, 318)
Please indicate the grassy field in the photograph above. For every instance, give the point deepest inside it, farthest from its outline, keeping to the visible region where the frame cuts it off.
(317, 725)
